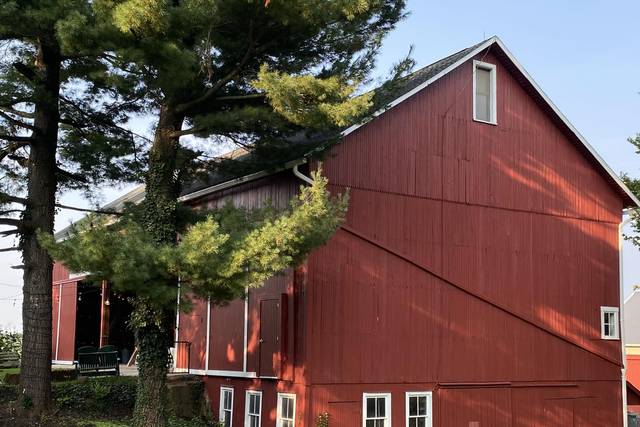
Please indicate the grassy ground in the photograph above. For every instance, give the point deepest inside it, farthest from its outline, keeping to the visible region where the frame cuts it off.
(6, 371)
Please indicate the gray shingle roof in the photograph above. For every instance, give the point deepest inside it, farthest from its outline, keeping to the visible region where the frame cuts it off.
(418, 77)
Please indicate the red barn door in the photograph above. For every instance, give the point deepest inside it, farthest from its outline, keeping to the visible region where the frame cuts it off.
(269, 338)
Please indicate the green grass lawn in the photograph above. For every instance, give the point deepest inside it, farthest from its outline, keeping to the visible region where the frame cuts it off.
(6, 371)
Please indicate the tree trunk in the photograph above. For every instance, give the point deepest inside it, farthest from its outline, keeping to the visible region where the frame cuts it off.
(39, 213)
(151, 322)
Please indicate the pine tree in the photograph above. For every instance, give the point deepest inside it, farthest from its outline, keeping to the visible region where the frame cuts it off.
(53, 135)
(255, 73)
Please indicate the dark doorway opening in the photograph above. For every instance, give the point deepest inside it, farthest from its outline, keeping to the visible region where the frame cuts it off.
(120, 334)
(88, 315)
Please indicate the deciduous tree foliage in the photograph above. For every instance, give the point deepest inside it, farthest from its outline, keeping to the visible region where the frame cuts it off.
(276, 78)
(634, 186)
(59, 128)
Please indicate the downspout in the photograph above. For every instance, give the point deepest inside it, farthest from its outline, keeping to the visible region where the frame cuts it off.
(302, 176)
(206, 353)
(623, 224)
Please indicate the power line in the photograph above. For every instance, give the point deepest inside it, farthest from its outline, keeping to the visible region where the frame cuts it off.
(14, 297)
(9, 285)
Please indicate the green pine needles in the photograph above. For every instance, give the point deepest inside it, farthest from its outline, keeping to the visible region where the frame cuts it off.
(217, 256)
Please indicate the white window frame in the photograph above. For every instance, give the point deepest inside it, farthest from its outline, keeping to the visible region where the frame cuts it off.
(222, 409)
(248, 393)
(387, 404)
(281, 396)
(493, 91)
(429, 396)
(616, 312)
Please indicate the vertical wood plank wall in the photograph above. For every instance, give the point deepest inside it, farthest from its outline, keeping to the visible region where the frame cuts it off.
(473, 264)
(64, 292)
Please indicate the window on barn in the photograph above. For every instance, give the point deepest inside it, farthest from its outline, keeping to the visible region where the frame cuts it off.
(609, 323)
(418, 409)
(253, 408)
(226, 406)
(286, 410)
(484, 92)
(376, 410)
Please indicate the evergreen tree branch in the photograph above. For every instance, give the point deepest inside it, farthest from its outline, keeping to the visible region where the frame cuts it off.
(12, 232)
(96, 211)
(18, 223)
(10, 249)
(189, 106)
(71, 176)
(246, 97)
(11, 148)
(25, 70)
(184, 132)
(8, 198)
(93, 119)
(9, 109)
(16, 138)
(10, 211)
(15, 121)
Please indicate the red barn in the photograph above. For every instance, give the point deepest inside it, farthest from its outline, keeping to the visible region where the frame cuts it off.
(475, 282)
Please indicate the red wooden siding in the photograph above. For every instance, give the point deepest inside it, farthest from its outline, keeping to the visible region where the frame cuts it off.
(226, 339)
(226, 350)
(473, 263)
(192, 330)
(64, 293)
(633, 370)
(270, 390)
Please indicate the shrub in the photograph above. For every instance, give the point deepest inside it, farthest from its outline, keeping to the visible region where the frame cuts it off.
(8, 393)
(94, 395)
(10, 342)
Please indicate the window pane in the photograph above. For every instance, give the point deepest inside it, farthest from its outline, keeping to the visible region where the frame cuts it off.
(289, 408)
(422, 422)
(254, 422)
(607, 331)
(413, 422)
(371, 407)
(413, 405)
(422, 405)
(379, 423)
(612, 329)
(483, 94)
(381, 407)
(371, 423)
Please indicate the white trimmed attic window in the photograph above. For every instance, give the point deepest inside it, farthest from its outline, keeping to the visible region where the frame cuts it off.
(610, 323)
(484, 92)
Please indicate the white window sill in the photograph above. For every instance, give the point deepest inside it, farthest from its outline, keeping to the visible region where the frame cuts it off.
(485, 122)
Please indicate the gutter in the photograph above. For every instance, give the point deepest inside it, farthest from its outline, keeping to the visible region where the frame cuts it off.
(232, 183)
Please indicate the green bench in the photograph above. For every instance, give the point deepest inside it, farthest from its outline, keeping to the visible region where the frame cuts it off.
(96, 362)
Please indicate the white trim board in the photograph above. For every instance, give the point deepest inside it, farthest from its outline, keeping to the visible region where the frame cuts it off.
(63, 362)
(633, 293)
(218, 373)
(429, 396)
(224, 389)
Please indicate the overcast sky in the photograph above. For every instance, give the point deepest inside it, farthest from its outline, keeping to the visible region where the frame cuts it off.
(585, 55)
